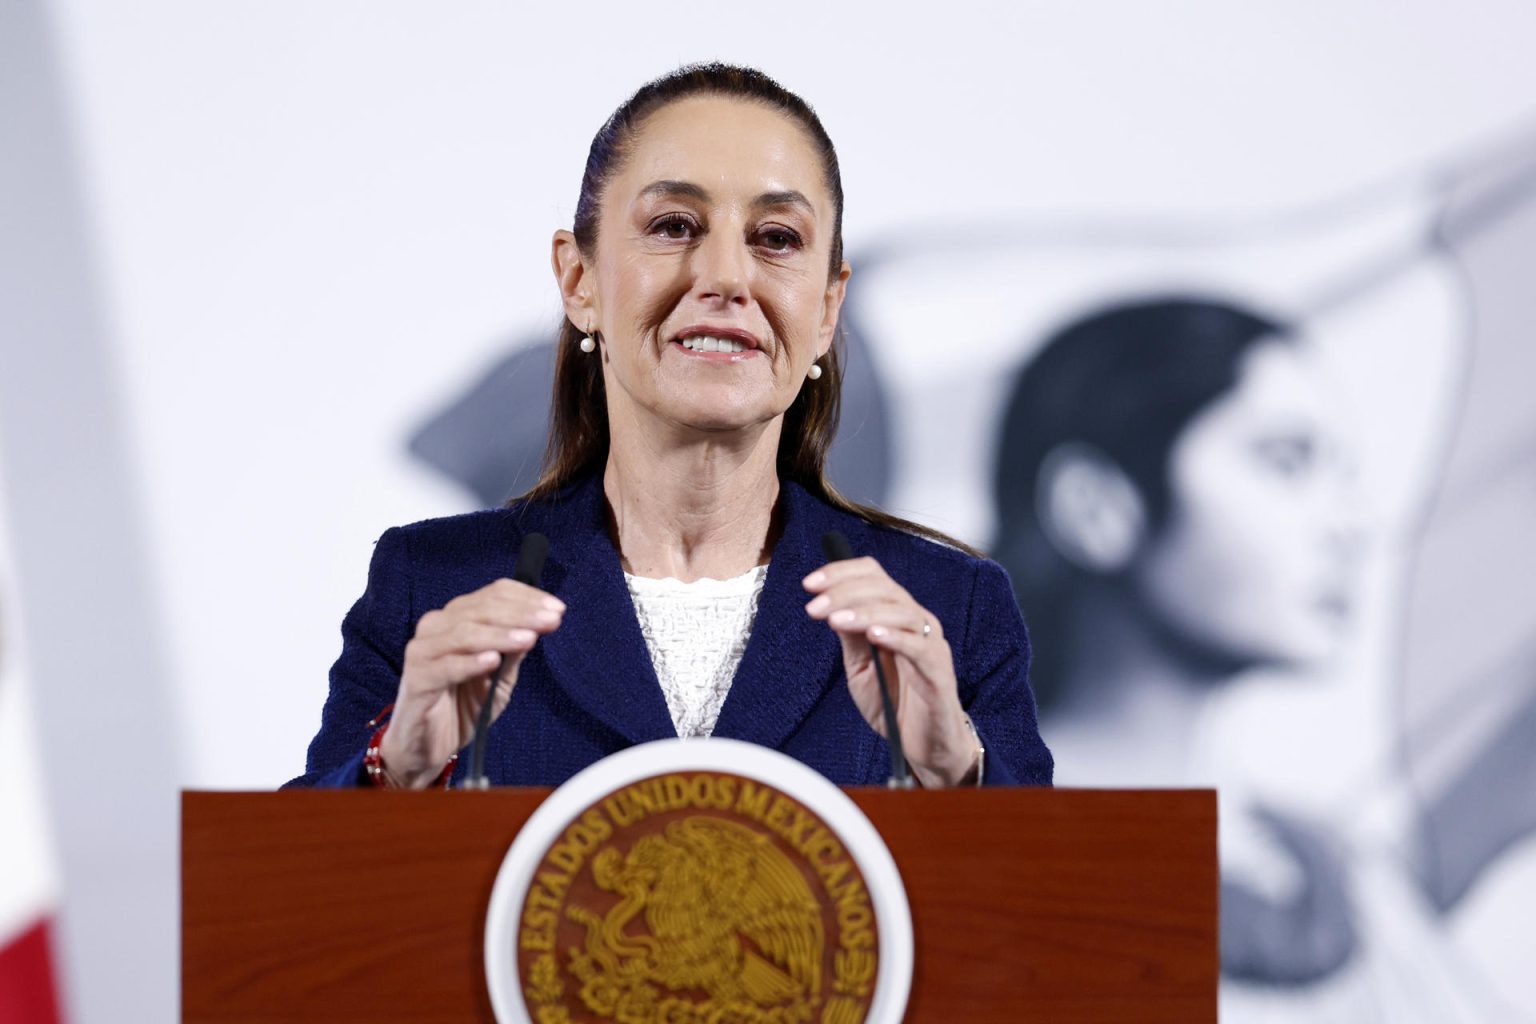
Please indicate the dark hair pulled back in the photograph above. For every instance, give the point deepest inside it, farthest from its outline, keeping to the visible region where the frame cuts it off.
(1126, 379)
(578, 430)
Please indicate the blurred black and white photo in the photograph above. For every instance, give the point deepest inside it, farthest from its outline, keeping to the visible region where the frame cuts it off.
(1215, 325)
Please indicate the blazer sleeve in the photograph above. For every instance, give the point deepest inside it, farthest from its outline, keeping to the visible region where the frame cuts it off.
(993, 670)
(365, 678)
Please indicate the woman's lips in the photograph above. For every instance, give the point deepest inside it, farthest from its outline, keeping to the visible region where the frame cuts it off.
(1335, 605)
(717, 344)
(717, 356)
(716, 338)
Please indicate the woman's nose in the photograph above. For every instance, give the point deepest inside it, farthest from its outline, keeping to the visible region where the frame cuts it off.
(722, 267)
(1348, 528)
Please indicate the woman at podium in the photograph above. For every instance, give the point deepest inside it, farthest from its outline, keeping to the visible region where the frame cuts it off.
(685, 502)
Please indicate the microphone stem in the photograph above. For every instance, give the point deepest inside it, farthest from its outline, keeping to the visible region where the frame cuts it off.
(530, 565)
(901, 777)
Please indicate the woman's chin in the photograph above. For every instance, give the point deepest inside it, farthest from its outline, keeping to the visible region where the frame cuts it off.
(722, 414)
(718, 423)
(1300, 650)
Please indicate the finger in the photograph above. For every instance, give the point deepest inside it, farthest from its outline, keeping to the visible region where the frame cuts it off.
(505, 679)
(513, 589)
(496, 685)
(859, 618)
(528, 614)
(835, 572)
(505, 594)
(433, 622)
(864, 686)
(856, 651)
(856, 592)
(455, 669)
(511, 614)
(468, 637)
(904, 617)
(909, 644)
(473, 638)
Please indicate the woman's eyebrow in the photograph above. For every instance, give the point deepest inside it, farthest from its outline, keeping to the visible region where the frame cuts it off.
(669, 188)
(788, 197)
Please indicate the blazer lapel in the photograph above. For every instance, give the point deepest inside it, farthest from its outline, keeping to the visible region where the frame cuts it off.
(598, 655)
(791, 660)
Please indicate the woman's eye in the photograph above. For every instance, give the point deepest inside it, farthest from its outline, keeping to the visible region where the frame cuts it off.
(1289, 457)
(675, 228)
(778, 240)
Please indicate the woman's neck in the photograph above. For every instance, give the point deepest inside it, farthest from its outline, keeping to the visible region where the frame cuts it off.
(1135, 686)
(691, 505)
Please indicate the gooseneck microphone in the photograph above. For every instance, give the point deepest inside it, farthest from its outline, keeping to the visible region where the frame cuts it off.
(530, 566)
(837, 549)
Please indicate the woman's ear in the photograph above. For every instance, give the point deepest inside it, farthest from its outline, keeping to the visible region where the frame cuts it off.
(831, 306)
(1089, 509)
(575, 284)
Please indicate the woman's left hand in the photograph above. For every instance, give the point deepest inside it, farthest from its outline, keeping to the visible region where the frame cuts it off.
(865, 606)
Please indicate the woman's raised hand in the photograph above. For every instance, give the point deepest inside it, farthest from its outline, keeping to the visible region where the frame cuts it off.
(865, 606)
(449, 666)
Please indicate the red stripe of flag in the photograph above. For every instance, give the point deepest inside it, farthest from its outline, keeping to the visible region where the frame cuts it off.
(28, 994)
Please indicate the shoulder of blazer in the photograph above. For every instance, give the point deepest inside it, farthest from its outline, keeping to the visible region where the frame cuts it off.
(901, 552)
(573, 514)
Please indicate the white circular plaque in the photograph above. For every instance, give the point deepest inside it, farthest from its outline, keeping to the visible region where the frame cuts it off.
(740, 769)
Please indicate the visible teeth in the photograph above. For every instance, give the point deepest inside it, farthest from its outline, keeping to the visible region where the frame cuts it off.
(704, 343)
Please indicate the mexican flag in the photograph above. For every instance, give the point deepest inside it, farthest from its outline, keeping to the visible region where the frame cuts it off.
(29, 990)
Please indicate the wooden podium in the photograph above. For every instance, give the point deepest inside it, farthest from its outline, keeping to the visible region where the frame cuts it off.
(1061, 906)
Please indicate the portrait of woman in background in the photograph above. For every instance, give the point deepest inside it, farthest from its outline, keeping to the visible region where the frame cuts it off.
(1172, 496)
(1175, 506)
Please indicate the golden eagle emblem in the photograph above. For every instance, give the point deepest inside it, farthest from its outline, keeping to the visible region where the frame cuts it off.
(705, 918)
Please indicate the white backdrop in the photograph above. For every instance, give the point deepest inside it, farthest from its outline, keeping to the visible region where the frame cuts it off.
(305, 226)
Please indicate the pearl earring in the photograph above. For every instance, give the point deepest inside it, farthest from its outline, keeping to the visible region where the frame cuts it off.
(814, 372)
(589, 343)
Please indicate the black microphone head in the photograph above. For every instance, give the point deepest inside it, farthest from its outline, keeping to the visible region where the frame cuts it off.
(835, 546)
(530, 559)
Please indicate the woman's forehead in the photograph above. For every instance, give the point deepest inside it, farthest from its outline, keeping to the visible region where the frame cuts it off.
(726, 146)
(1280, 384)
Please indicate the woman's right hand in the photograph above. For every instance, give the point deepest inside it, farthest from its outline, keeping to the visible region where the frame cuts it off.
(449, 665)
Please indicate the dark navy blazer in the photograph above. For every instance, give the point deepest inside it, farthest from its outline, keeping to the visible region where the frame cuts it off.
(589, 689)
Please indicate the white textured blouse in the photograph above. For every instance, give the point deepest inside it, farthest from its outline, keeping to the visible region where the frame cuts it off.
(696, 633)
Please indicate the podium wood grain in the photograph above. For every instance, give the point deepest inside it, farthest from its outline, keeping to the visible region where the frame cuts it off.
(1062, 906)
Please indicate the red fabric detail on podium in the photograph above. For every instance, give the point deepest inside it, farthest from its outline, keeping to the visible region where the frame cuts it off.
(28, 994)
